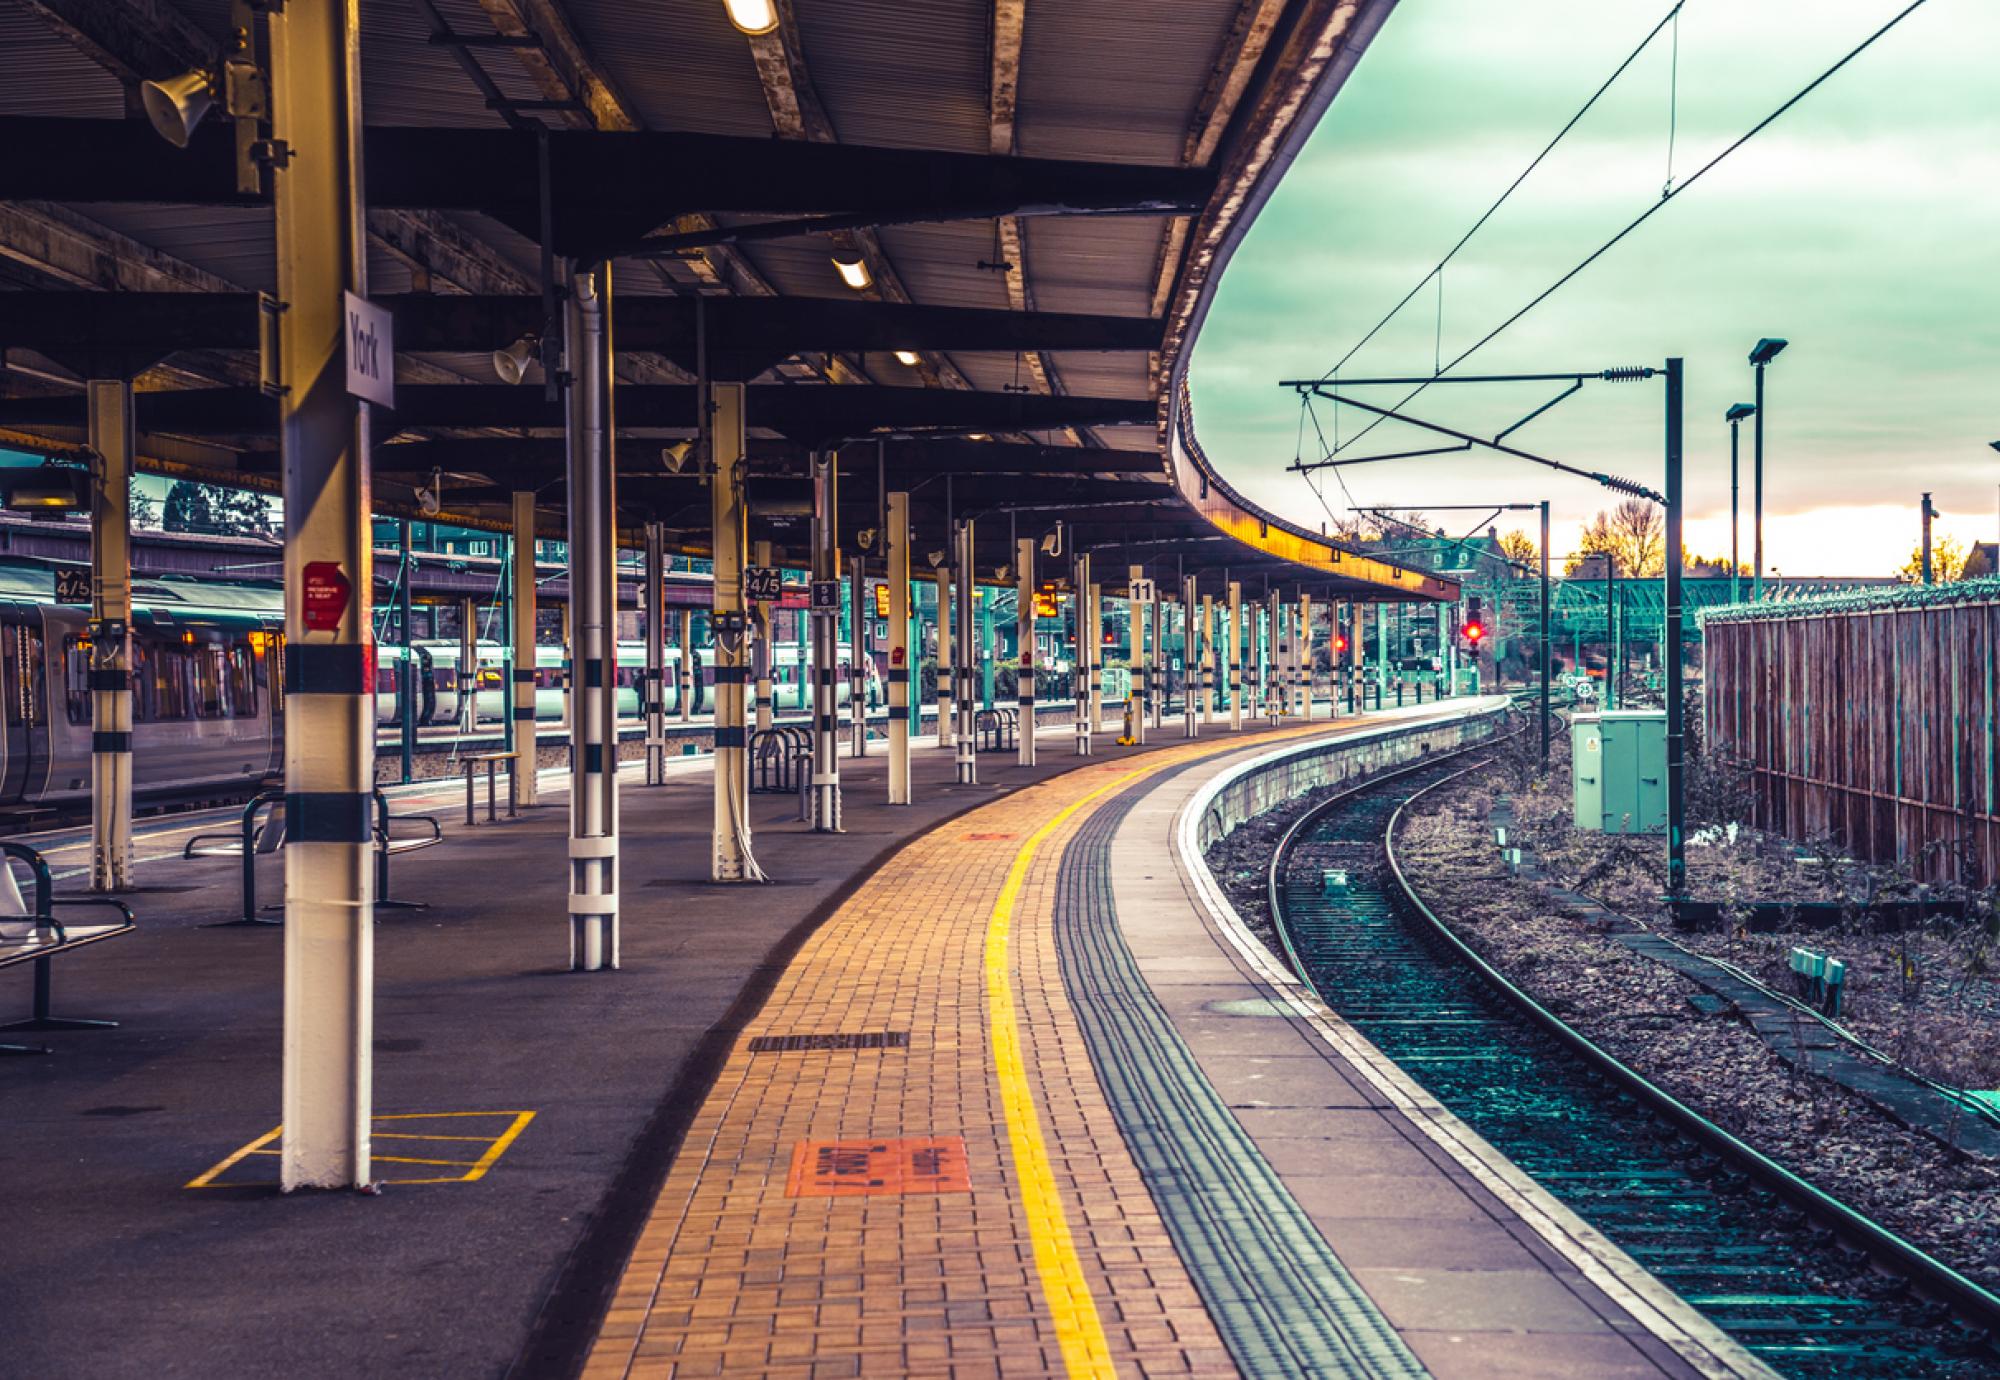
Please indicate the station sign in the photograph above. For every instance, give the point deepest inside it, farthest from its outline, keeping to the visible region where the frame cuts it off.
(1144, 592)
(882, 601)
(371, 350)
(826, 596)
(1045, 603)
(72, 586)
(763, 584)
(327, 593)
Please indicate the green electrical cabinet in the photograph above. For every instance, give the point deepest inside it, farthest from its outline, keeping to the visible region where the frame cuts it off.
(1618, 771)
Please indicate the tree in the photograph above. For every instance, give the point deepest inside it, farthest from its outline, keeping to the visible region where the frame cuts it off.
(1948, 562)
(1711, 566)
(1633, 534)
(216, 510)
(1518, 546)
(143, 511)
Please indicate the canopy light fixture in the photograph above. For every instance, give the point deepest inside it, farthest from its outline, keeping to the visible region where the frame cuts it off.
(852, 266)
(46, 491)
(907, 357)
(753, 17)
(177, 105)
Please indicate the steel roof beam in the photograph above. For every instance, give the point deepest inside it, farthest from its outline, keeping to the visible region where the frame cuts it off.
(807, 413)
(752, 333)
(909, 461)
(609, 190)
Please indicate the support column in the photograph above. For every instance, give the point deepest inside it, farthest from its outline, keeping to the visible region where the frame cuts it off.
(1194, 687)
(946, 676)
(1156, 664)
(902, 697)
(1274, 657)
(1083, 674)
(110, 403)
(1208, 680)
(652, 685)
(857, 650)
(1305, 654)
(593, 602)
(1381, 655)
(328, 1083)
(523, 637)
(686, 675)
(730, 858)
(826, 645)
(1235, 656)
(1137, 708)
(466, 682)
(1094, 599)
(760, 644)
(967, 660)
(1024, 648)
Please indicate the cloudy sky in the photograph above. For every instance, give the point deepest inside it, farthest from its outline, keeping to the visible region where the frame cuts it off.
(1864, 226)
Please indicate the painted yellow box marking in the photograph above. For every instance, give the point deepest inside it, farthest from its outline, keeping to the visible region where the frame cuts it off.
(218, 1176)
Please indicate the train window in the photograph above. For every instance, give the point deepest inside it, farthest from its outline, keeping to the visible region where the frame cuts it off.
(242, 674)
(76, 679)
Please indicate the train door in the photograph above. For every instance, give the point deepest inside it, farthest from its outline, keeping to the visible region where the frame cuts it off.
(270, 649)
(25, 713)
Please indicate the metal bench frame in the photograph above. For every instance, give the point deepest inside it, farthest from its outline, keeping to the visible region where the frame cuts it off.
(996, 729)
(52, 937)
(781, 764)
(244, 843)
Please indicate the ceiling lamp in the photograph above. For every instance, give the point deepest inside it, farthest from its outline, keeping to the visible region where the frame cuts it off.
(852, 266)
(753, 17)
(45, 491)
(908, 357)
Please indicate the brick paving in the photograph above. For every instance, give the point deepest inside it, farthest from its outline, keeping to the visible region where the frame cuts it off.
(732, 1276)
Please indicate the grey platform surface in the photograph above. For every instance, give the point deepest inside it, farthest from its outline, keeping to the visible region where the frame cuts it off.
(111, 1267)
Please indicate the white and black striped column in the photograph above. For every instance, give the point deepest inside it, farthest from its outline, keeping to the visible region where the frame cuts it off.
(1083, 674)
(1193, 686)
(826, 643)
(110, 642)
(966, 662)
(760, 643)
(1137, 709)
(593, 603)
(1235, 653)
(945, 676)
(652, 681)
(730, 855)
(1024, 648)
(522, 730)
(329, 965)
(903, 698)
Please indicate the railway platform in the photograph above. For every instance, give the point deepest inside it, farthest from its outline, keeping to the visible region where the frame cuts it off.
(984, 1085)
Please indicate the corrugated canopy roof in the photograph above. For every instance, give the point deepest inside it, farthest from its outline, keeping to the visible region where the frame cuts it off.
(1043, 111)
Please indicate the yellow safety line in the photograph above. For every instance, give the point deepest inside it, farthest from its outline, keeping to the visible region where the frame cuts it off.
(204, 1180)
(1079, 1330)
(499, 1147)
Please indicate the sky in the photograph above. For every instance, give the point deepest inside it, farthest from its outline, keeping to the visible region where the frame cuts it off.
(1863, 226)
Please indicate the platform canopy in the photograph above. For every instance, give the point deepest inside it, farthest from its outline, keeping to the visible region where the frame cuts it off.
(1040, 202)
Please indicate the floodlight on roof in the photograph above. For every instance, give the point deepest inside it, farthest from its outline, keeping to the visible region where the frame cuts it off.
(753, 17)
(177, 105)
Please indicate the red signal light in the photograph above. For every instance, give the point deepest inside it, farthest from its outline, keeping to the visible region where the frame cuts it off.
(1473, 632)
(1340, 644)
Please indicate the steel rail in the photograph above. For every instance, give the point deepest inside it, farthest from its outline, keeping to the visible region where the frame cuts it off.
(1973, 1303)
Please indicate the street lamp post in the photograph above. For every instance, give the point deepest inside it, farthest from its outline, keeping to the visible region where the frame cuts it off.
(1676, 710)
(1767, 350)
(1734, 417)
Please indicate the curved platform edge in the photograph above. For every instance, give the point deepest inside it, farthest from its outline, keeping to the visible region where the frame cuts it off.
(1684, 1342)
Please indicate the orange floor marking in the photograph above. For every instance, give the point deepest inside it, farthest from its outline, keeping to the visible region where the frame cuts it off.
(909, 1164)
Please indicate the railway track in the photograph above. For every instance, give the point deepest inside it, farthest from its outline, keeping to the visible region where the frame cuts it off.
(1811, 1287)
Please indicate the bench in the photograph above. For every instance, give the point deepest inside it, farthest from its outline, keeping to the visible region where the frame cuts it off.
(491, 761)
(33, 934)
(995, 729)
(255, 839)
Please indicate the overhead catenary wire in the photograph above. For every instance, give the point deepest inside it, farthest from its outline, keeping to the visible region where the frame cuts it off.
(1647, 214)
(1501, 200)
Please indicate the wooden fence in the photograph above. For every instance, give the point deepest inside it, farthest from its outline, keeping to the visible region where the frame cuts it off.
(1867, 719)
